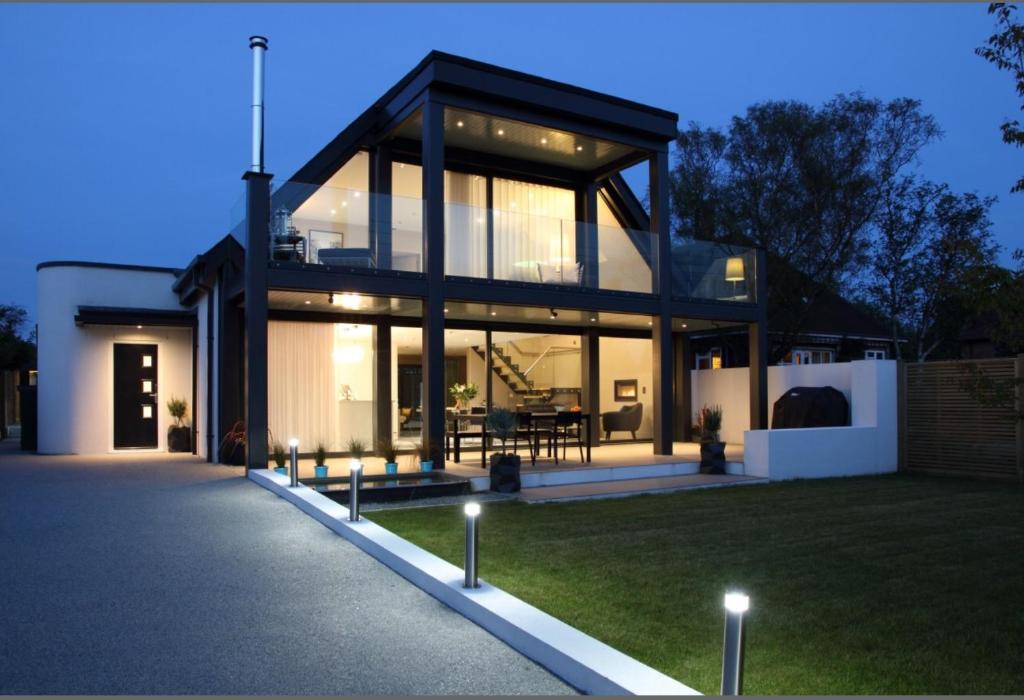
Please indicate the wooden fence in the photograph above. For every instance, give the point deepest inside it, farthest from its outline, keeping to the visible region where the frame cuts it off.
(945, 428)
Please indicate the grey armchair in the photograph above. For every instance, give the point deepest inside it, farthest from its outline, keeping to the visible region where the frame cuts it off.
(626, 418)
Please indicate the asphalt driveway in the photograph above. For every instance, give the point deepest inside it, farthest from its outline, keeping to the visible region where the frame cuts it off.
(150, 575)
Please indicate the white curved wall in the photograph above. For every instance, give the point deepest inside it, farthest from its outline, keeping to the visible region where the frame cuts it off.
(76, 364)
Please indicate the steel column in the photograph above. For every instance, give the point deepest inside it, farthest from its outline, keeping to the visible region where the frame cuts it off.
(590, 361)
(758, 338)
(382, 384)
(662, 285)
(433, 255)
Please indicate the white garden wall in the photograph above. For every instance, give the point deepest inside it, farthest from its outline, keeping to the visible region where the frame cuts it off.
(867, 446)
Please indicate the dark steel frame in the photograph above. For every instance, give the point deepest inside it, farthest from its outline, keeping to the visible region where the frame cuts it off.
(441, 81)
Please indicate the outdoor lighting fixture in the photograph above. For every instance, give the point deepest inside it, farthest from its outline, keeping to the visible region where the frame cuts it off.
(354, 472)
(501, 132)
(494, 313)
(139, 327)
(554, 314)
(736, 604)
(293, 446)
(579, 148)
(472, 511)
(459, 123)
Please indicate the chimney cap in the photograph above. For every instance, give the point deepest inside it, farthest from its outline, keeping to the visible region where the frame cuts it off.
(257, 40)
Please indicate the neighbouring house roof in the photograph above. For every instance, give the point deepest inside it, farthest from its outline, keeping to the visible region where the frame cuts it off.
(833, 315)
(980, 327)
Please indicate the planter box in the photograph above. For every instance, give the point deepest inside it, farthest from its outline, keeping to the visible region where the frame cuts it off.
(505, 473)
(179, 439)
(712, 458)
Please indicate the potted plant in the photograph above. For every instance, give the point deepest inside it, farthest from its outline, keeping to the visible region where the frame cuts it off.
(179, 436)
(356, 450)
(232, 447)
(320, 457)
(502, 424)
(463, 394)
(389, 452)
(425, 456)
(279, 456)
(712, 449)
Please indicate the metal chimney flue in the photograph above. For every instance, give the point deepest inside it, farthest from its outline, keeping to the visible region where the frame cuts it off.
(258, 44)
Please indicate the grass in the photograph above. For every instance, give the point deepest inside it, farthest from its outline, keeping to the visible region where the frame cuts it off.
(880, 585)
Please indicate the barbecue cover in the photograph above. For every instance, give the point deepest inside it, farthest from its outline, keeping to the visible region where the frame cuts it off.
(811, 407)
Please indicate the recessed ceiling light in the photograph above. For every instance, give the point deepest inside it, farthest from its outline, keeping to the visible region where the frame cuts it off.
(333, 212)
(446, 310)
(307, 302)
(501, 132)
(579, 148)
(459, 124)
(401, 165)
(359, 194)
(139, 327)
(593, 319)
(684, 325)
(650, 323)
(344, 204)
(543, 140)
(494, 313)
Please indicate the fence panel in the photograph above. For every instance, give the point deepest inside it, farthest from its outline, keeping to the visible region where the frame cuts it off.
(946, 429)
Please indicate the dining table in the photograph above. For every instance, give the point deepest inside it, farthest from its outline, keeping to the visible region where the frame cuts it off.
(456, 434)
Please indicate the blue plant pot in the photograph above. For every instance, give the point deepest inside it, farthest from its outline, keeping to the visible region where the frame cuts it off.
(427, 466)
(391, 468)
(321, 471)
(281, 470)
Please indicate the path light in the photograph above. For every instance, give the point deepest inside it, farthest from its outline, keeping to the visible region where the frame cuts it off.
(293, 445)
(472, 511)
(355, 469)
(736, 605)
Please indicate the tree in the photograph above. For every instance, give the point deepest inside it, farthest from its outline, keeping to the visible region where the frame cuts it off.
(1005, 50)
(16, 352)
(802, 183)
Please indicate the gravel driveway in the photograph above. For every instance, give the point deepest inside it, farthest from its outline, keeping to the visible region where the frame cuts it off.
(145, 574)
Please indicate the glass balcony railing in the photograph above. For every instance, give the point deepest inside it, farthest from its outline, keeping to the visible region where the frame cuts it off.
(709, 270)
(318, 225)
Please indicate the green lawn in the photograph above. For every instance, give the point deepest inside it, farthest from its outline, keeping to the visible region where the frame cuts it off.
(870, 585)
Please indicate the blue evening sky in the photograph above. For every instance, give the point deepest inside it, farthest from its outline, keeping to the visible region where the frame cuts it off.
(125, 128)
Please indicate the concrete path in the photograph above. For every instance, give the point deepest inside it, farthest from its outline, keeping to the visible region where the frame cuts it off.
(633, 487)
(148, 575)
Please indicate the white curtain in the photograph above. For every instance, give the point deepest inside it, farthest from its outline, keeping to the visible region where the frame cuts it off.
(302, 384)
(534, 226)
(465, 222)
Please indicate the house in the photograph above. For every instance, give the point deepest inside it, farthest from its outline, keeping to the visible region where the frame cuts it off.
(472, 225)
(835, 331)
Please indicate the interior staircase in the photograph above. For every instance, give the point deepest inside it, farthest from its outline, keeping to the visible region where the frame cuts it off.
(506, 370)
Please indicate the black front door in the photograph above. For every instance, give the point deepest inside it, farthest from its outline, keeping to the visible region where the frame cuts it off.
(135, 399)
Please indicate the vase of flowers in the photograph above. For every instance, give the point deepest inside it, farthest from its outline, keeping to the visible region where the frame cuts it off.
(463, 394)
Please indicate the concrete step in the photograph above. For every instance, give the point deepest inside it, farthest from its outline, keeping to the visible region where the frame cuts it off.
(633, 487)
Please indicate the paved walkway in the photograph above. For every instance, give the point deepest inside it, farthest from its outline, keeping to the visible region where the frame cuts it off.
(149, 575)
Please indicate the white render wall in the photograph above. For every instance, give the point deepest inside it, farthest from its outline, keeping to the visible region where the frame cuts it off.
(76, 364)
(867, 446)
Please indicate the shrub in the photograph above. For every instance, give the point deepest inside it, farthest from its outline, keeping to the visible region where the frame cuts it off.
(177, 408)
(277, 452)
(356, 448)
(388, 451)
(320, 453)
(709, 422)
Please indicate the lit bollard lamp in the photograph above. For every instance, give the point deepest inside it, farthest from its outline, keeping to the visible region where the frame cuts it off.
(355, 470)
(293, 446)
(472, 511)
(736, 605)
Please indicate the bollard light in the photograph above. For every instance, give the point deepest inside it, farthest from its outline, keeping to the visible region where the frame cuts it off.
(355, 469)
(293, 445)
(736, 605)
(472, 511)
